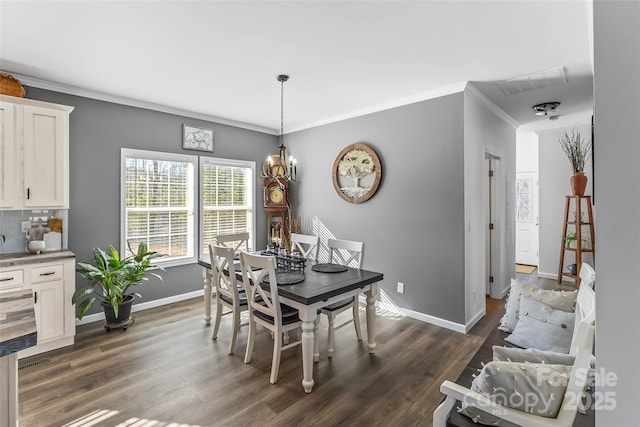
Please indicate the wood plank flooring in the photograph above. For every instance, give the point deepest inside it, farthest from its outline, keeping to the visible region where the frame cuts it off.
(166, 369)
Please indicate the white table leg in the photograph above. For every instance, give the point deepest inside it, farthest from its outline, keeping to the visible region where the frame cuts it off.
(308, 324)
(208, 281)
(371, 294)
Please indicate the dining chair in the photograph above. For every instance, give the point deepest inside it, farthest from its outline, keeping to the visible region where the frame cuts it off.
(237, 241)
(228, 293)
(265, 308)
(351, 254)
(308, 245)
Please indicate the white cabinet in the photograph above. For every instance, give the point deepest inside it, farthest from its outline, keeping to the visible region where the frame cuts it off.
(7, 155)
(53, 284)
(49, 304)
(35, 154)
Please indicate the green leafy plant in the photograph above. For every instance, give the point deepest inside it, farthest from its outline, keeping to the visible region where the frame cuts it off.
(572, 237)
(112, 276)
(576, 149)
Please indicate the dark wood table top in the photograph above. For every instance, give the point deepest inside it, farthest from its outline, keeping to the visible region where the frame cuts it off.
(319, 286)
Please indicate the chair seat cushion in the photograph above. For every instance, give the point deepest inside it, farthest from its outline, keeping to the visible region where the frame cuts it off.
(338, 305)
(289, 315)
(242, 295)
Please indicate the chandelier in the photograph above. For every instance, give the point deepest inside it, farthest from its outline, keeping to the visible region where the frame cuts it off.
(276, 167)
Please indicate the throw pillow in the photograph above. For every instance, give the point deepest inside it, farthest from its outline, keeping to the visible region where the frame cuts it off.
(531, 355)
(537, 389)
(542, 327)
(559, 300)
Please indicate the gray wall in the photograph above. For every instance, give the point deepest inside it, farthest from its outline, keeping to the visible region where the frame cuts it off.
(97, 132)
(555, 172)
(617, 154)
(413, 227)
(486, 133)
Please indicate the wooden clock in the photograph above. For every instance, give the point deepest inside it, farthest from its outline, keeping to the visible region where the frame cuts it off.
(275, 202)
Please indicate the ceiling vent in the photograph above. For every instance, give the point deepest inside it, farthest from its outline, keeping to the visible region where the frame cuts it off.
(553, 77)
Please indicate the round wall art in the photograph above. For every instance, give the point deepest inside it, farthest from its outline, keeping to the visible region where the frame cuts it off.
(357, 173)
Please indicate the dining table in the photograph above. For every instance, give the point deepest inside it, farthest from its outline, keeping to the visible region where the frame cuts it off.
(318, 289)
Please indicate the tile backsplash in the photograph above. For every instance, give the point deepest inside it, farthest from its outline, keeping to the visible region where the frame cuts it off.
(15, 240)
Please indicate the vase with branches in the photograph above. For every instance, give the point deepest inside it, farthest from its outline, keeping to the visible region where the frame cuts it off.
(578, 151)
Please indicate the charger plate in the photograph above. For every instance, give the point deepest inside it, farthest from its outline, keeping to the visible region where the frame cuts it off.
(329, 268)
(287, 277)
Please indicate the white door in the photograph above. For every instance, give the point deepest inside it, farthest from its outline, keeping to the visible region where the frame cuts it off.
(527, 218)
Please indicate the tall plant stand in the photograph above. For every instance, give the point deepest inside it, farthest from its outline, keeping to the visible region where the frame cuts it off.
(577, 223)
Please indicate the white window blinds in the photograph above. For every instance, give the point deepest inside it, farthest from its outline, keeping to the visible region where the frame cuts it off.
(227, 199)
(159, 203)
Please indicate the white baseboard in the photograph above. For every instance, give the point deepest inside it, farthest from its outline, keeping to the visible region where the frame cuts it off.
(427, 318)
(554, 276)
(475, 319)
(145, 305)
(433, 320)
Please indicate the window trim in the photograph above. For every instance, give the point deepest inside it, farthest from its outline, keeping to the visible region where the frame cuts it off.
(251, 191)
(163, 156)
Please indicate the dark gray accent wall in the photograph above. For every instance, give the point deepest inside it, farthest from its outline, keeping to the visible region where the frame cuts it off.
(98, 130)
(413, 227)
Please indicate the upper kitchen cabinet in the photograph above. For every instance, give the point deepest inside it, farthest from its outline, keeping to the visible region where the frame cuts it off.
(34, 145)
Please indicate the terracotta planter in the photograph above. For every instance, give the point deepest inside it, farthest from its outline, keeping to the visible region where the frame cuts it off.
(578, 183)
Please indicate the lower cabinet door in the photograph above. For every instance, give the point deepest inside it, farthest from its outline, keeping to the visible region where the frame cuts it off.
(49, 308)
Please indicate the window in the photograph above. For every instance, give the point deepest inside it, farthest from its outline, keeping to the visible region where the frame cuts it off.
(158, 204)
(227, 199)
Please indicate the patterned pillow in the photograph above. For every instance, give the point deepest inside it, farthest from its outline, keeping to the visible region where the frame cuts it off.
(559, 300)
(531, 355)
(542, 327)
(537, 389)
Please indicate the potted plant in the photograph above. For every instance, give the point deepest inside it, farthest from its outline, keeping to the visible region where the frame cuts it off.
(111, 278)
(571, 241)
(578, 152)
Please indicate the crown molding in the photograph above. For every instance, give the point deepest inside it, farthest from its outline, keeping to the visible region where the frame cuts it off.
(100, 96)
(399, 102)
(493, 107)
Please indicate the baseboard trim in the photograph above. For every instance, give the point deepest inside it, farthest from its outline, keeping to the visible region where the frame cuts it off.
(475, 319)
(145, 306)
(427, 318)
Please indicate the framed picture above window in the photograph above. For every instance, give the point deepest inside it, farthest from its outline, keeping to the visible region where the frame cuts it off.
(195, 138)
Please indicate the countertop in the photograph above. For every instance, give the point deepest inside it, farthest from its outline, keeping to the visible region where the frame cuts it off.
(19, 258)
(17, 321)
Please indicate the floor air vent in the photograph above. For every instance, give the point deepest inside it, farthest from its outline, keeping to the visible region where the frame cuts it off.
(33, 363)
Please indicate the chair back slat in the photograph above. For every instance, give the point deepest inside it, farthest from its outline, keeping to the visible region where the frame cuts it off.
(346, 252)
(308, 245)
(236, 241)
(222, 259)
(254, 270)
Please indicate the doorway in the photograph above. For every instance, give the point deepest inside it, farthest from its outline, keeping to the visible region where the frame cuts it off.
(492, 197)
(527, 223)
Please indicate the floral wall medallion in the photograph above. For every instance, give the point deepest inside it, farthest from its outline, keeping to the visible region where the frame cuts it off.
(357, 173)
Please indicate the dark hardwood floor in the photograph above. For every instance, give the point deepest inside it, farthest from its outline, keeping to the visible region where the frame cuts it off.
(167, 369)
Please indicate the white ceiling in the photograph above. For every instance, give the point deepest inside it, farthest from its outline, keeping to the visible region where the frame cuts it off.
(219, 59)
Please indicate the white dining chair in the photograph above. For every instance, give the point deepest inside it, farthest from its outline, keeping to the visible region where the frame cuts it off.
(308, 245)
(351, 254)
(237, 241)
(265, 308)
(228, 294)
